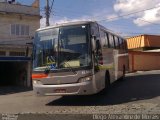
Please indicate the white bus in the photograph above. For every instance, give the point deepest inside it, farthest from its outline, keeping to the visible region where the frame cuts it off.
(77, 58)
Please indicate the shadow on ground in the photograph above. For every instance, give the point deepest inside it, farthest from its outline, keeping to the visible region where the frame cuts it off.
(134, 88)
(13, 89)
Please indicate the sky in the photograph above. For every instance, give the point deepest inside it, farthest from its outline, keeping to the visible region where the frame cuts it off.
(124, 17)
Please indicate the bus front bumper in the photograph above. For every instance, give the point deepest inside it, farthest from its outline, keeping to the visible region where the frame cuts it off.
(84, 88)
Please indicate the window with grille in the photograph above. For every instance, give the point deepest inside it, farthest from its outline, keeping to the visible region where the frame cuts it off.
(19, 29)
(17, 53)
(2, 53)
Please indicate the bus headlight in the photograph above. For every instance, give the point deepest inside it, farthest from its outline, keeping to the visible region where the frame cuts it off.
(37, 82)
(85, 79)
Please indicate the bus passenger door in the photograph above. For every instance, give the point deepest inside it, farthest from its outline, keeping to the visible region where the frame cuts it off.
(98, 66)
(96, 51)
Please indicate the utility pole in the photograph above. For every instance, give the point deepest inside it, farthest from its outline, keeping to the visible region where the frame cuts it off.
(47, 10)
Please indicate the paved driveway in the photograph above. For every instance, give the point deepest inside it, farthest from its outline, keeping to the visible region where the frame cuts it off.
(139, 93)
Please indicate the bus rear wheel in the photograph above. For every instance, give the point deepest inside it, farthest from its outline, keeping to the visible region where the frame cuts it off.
(124, 72)
(107, 80)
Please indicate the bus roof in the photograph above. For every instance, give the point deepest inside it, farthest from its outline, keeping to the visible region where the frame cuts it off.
(78, 23)
(66, 24)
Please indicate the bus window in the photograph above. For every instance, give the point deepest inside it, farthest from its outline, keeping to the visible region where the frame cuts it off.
(111, 40)
(125, 45)
(104, 39)
(107, 40)
(116, 42)
(95, 30)
(121, 43)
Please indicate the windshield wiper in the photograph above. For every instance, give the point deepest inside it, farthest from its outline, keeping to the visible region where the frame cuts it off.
(65, 62)
(47, 69)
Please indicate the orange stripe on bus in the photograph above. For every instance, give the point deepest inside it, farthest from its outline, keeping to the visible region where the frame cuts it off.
(39, 75)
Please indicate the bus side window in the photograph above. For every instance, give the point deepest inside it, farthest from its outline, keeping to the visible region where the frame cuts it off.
(107, 40)
(116, 42)
(111, 40)
(121, 43)
(104, 39)
(125, 45)
(95, 30)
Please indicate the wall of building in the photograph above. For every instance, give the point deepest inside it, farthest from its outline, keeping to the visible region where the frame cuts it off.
(142, 61)
(11, 14)
(139, 58)
(135, 42)
(143, 41)
(18, 8)
(15, 50)
(152, 41)
(18, 14)
(12, 45)
(7, 20)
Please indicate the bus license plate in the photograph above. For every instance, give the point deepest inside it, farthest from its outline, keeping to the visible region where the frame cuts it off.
(60, 90)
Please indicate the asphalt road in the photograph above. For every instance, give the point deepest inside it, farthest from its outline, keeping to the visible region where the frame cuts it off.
(138, 94)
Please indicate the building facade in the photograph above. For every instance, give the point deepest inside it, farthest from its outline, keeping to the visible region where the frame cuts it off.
(143, 42)
(18, 24)
(144, 52)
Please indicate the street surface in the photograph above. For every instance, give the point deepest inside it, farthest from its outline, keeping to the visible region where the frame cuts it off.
(139, 93)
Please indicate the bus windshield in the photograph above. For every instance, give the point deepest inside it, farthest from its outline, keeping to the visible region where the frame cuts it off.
(61, 48)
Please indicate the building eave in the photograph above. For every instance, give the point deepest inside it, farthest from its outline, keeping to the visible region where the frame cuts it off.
(8, 13)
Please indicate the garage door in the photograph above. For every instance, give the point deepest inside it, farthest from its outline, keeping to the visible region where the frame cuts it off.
(13, 71)
(15, 59)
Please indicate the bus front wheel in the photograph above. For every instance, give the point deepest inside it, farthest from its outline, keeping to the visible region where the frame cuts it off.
(107, 83)
(123, 74)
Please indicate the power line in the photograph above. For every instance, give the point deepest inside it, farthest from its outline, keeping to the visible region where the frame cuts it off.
(128, 14)
(138, 33)
(57, 12)
(61, 16)
(120, 15)
(149, 22)
(77, 13)
(70, 11)
(61, 13)
(128, 27)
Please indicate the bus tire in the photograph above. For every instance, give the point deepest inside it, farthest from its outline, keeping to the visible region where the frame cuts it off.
(107, 80)
(107, 83)
(124, 72)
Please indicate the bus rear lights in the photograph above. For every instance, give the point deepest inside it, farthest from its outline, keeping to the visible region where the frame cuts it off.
(85, 79)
